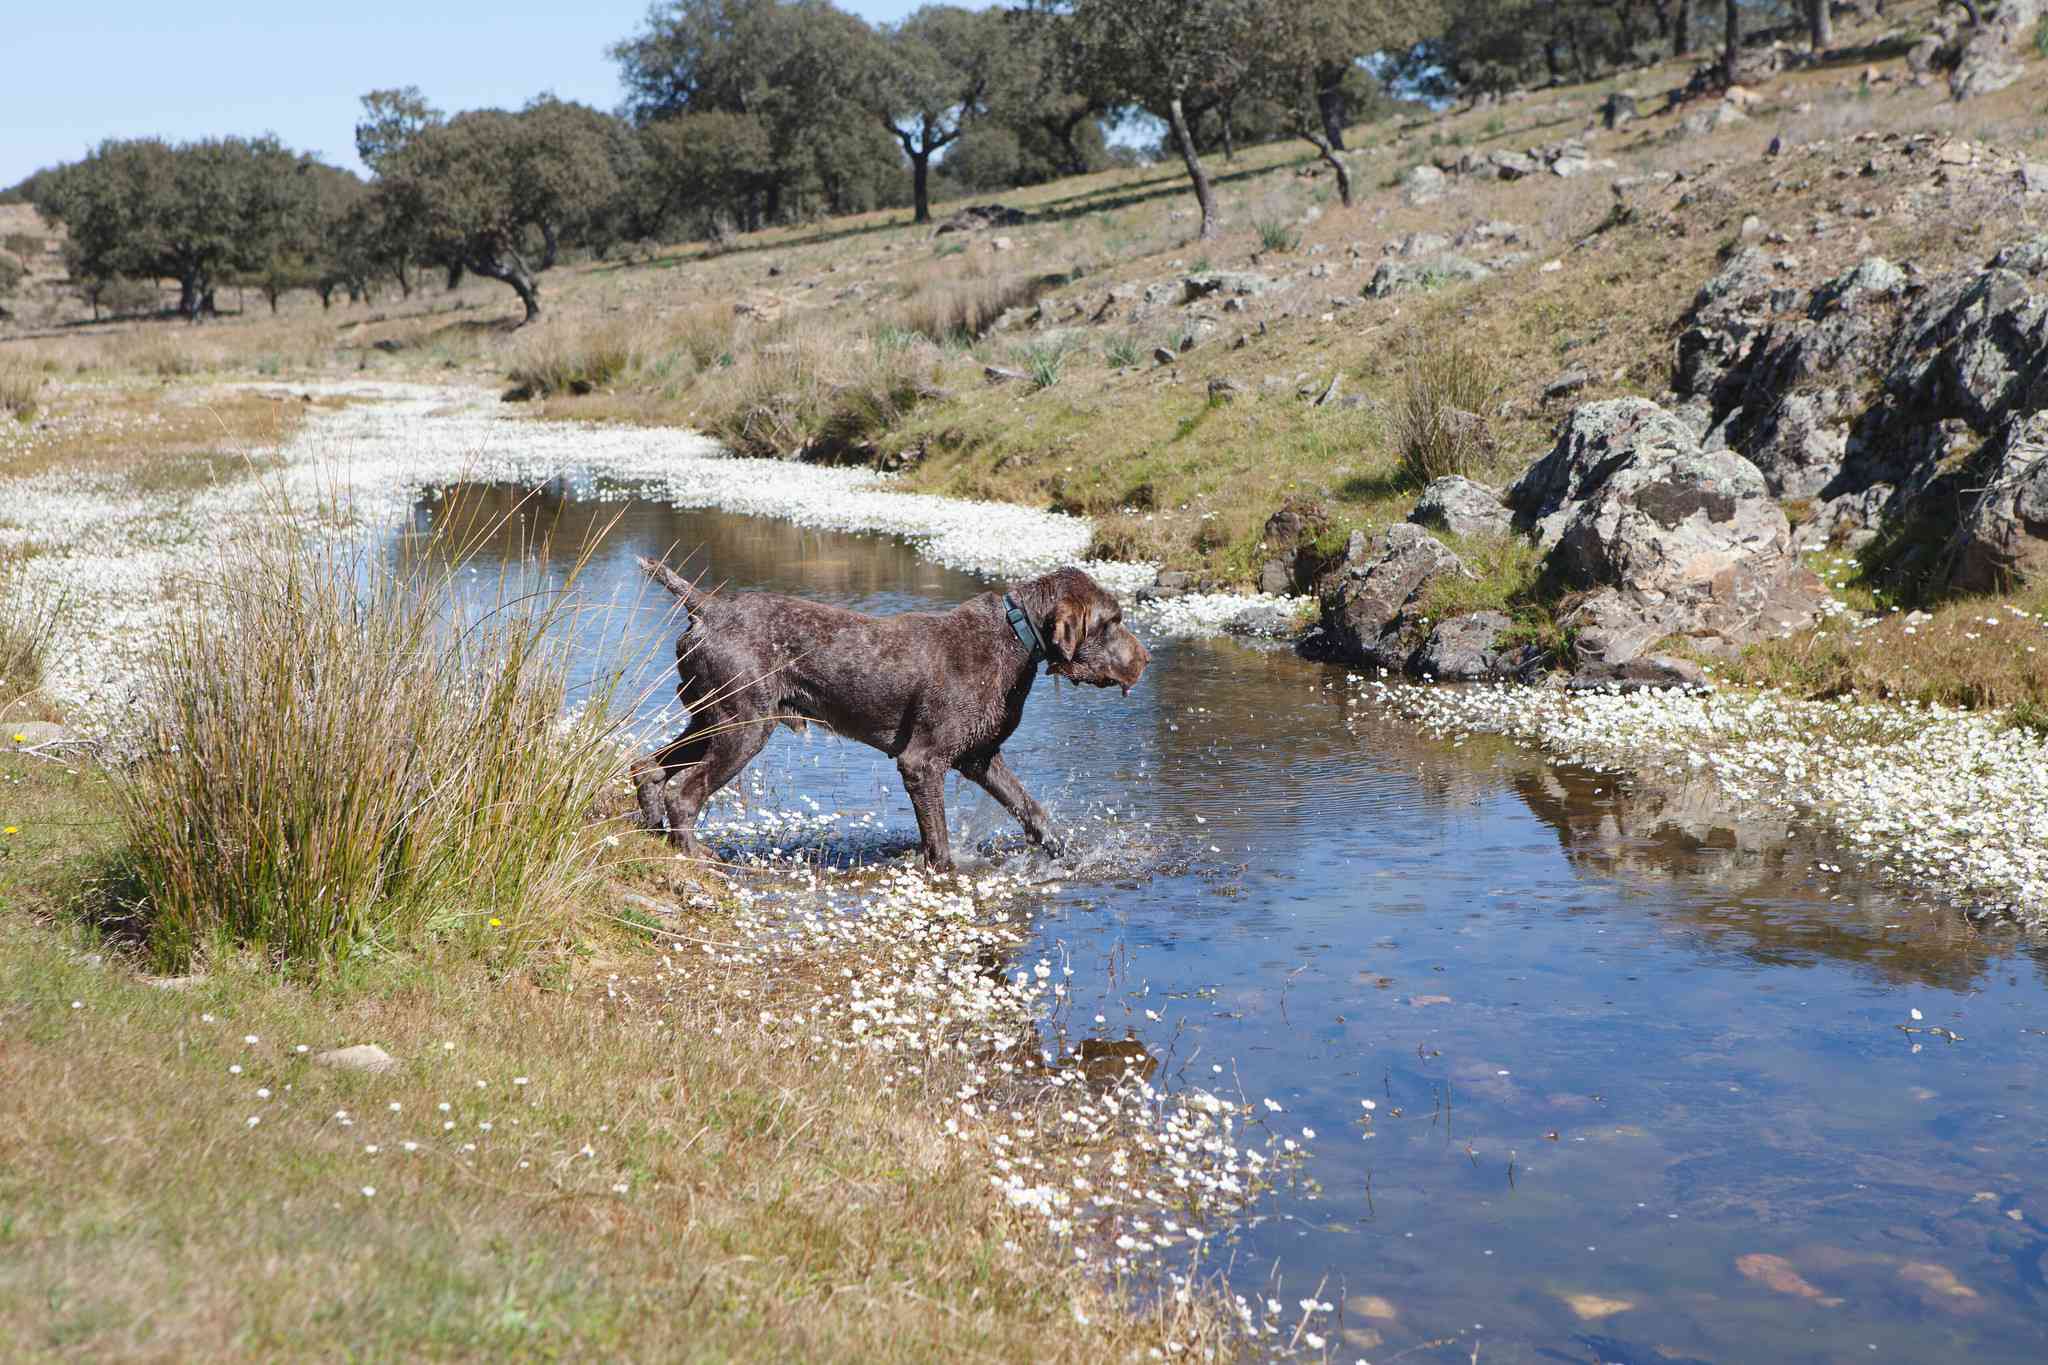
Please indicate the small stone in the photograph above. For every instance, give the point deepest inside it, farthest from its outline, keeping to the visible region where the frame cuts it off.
(1566, 384)
(1594, 1307)
(362, 1057)
(1162, 356)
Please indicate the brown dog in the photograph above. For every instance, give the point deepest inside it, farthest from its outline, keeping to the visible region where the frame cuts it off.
(933, 690)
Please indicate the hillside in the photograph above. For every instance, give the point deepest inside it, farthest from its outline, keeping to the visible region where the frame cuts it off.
(1079, 350)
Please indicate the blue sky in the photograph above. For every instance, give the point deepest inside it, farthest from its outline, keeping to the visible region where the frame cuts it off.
(82, 71)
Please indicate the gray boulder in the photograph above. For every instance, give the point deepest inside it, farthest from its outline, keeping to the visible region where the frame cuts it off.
(1991, 57)
(2003, 538)
(1976, 346)
(1682, 542)
(1597, 439)
(1492, 232)
(1465, 649)
(1265, 620)
(1417, 244)
(1801, 444)
(1422, 184)
(1230, 283)
(1403, 277)
(1506, 165)
(1458, 505)
(1367, 601)
(1872, 276)
(1665, 539)
(1645, 673)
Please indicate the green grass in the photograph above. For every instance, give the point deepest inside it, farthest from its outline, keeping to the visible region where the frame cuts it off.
(1277, 236)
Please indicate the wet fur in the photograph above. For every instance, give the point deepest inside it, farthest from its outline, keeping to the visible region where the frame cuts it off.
(936, 691)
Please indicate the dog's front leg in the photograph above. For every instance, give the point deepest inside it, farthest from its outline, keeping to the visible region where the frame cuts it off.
(925, 780)
(996, 777)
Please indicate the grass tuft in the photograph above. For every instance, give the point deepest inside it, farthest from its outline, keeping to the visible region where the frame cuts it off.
(336, 762)
(1276, 235)
(25, 622)
(1440, 427)
(557, 362)
(20, 385)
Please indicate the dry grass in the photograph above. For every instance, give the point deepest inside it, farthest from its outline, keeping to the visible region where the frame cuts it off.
(20, 385)
(1974, 652)
(558, 360)
(182, 438)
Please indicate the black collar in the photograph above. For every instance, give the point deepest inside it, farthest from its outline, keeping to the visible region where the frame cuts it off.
(1027, 633)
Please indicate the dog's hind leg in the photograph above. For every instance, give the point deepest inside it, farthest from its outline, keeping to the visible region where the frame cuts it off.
(654, 772)
(729, 745)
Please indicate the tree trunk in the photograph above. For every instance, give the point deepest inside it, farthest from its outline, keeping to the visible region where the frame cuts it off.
(454, 276)
(1331, 106)
(1820, 21)
(1731, 48)
(508, 268)
(551, 246)
(1229, 132)
(1077, 164)
(1178, 119)
(920, 186)
(1681, 29)
(404, 278)
(1329, 154)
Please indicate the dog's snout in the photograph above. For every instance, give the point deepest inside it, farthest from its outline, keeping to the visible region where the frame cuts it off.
(1130, 656)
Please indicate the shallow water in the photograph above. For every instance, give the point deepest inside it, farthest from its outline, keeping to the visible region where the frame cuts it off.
(1641, 1087)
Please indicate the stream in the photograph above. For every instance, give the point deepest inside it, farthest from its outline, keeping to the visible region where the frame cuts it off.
(1641, 1087)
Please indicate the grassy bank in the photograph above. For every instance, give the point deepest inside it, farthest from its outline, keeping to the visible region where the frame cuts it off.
(566, 1161)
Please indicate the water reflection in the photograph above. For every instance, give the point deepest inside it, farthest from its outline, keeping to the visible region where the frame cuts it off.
(1638, 1082)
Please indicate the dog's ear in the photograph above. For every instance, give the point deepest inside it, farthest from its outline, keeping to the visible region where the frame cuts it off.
(1070, 615)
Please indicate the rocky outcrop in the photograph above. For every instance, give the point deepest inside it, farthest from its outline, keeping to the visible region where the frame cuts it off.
(2003, 538)
(1468, 649)
(1663, 537)
(1989, 59)
(977, 217)
(1458, 505)
(1597, 439)
(1369, 617)
(1403, 277)
(1227, 283)
(1290, 537)
(1781, 376)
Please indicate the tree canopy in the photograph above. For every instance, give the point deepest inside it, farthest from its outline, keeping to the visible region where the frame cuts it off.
(191, 211)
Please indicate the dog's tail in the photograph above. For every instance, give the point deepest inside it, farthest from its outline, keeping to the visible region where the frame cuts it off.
(686, 592)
